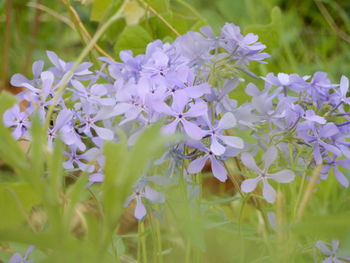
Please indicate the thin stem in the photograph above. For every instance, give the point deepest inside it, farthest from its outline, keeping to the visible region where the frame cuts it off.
(309, 191)
(161, 18)
(81, 28)
(7, 42)
(331, 21)
(193, 10)
(143, 242)
(159, 242)
(33, 33)
(52, 13)
(83, 54)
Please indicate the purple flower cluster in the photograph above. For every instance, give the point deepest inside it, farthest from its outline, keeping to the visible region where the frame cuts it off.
(188, 85)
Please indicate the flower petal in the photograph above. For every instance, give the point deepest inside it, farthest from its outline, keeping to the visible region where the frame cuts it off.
(233, 141)
(270, 156)
(218, 169)
(154, 196)
(140, 210)
(284, 176)
(197, 109)
(192, 130)
(170, 128)
(227, 121)
(268, 192)
(249, 162)
(341, 177)
(216, 147)
(322, 246)
(197, 165)
(104, 133)
(249, 185)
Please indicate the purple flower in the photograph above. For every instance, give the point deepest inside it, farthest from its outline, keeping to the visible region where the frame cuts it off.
(194, 47)
(63, 117)
(317, 135)
(91, 94)
(15, 118)
(339, 97)
(218, 140)
(181, 115)
(18, 79)
(333, 164)
(61, 67)
(144, 191)
(284, 176)
(89, 120)
(331, 254)
(319, 88)
(242, 48)
(76, 159)
(197, 165)
(192, 89)
(292, 81)
(17, 258)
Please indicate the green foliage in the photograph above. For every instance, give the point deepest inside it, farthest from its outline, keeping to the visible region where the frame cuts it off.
(133, 38)
(100, 9)
(17, 199)
(269, 34)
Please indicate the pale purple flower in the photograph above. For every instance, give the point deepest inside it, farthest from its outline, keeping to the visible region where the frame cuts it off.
(144, 191)
(340, 95)
(76, 160)
(18, 79)
(63, 117)
(94, 94)
(17, 257)
(319, 137)
(219, 141)
(181, 115)
(197, 165)
(194, 47)
(249, 185)
(17, 119)
(292, 81)
(88, 123)
(332, 255)
(333, 164)
(318, 88)
(61, 67)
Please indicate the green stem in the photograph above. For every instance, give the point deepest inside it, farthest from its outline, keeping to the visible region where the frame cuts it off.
(143, 242)
(82, 56)
(159, 242)
(7, 44)
(309, 191)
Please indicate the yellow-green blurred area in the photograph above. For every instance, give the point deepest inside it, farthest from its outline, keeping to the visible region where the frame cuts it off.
(302, 36)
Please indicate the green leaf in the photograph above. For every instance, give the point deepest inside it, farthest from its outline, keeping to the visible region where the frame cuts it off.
(161, 6)
(99, 9)
(134, 38)
(16, 200)
(269, 34)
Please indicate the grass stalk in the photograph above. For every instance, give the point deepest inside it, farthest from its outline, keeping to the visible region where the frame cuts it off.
(82, 29)
(143, 242)
(309, 191)
(33, 34)
(7, 44)
(161, 18)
